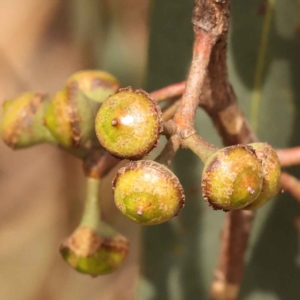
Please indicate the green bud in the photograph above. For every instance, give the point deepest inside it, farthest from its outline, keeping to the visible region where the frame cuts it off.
(128, 124)
(58, 120)
(95, 252)
(22, 122)
(232, 178)
(72, 112)
(271, 171)
(95, 85)
(147, 192)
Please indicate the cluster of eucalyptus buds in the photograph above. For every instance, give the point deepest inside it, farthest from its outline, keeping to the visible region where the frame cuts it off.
(91, 108)
(128, 125)
(67, 120)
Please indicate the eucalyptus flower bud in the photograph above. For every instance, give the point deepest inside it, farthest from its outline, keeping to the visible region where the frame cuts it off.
(232, 178)
(22, 122)
(271, 171)
(95, 252)
(72, 112)
(147, 192)
(94, 248)
(128, 124)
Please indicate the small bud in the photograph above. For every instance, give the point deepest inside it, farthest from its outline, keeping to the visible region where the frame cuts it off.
(22, 123)
(232, 178)
(72, 112)
(58, 120)
(128, 124)
(95, 253)
(271, 174)
(95, 85)
(147, 192)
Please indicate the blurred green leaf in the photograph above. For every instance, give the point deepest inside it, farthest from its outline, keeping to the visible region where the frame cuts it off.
(179, 257)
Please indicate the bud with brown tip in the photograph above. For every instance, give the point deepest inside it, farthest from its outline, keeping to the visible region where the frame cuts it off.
(232, 178)
(95, 252)
(72, 112)
(94, 248)
(271, 174)
(94, 84)
(147, 192)
(22, 122)
(128, 124)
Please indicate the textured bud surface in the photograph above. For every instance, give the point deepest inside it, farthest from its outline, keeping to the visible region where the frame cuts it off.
(96, 85)
(22, 123)
(92, 253)
(147, 192)
(128, 124)
(57, 118)
(232, 178)
(271, 174)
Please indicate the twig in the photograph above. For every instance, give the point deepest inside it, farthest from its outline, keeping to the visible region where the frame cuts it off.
(219, 101)
(185, 115)
(289, 157)
(169, 151)
(234, 129)
(169, 112)
(169, 128)
(98, 163)
(290, 184)
(199, 146)
(229, 273)
(168, 92)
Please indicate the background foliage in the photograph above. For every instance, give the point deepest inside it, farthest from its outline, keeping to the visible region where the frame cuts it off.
(41, 44)
(179, 257)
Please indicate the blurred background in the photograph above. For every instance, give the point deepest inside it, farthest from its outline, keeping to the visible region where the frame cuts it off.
(144, 44)
(43, 42)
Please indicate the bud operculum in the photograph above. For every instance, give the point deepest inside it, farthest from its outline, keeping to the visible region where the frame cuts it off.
(94, 248)
(22, 123)
(73, 110)
(147, 192)
(87, 91)
(232, 178)
(57, 119)
(95, 253)
(95, 85)
(129, 124)
(271, 174)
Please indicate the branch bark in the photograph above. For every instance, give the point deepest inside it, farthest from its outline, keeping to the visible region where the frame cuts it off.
(168, 92)
(291, 184)
(185, 115)
(289, 157)
(210, 20)
(219, 101)
(221, 104)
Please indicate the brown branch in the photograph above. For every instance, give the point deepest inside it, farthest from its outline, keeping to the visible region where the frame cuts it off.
(217, 97)
(219, 101)
(289, 157)
(168, 92)
(98, 163)
(229, 272)
(234, 129)
(185, 115)
(169, 111)
(169, 151)
(221, 105)
(210, 19)
(290, 184)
